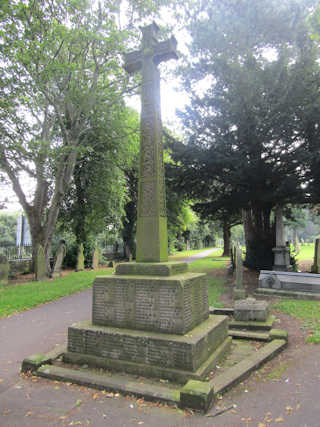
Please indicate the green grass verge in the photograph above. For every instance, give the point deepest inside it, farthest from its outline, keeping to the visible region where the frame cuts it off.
(15, 298)
(306, 252)
(309, 311)
(185, 254)
(216, 285)
(20, 297)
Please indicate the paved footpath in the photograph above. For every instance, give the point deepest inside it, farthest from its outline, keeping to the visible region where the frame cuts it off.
(292, 401)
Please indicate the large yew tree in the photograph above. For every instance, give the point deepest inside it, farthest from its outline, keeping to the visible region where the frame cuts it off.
(249, 77)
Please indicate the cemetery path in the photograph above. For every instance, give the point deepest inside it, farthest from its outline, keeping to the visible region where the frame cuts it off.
(289, 399)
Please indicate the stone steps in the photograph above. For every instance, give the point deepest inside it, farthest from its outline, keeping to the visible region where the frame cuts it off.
(241, 370)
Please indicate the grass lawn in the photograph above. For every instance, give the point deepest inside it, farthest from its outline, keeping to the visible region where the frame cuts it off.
(306, 252)
(20, 297)
(24, 296)
(184, 254)
(309, 311)
(216, 285)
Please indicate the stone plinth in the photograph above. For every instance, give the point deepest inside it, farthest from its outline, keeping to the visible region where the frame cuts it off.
(185, 352)
(251, 310)
(281, 259)
(170, 304)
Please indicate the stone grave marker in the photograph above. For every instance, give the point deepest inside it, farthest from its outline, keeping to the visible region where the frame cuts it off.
(80, 258)
(59, 260)
(316, 259)
(238, 290)
(4, 270)
(40, 265)
(281, 251)
(95, 259)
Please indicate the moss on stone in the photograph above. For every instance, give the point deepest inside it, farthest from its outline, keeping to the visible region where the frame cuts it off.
(197, 395)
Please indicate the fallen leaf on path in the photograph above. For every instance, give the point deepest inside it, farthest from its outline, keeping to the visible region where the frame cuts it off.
(279, 420)
(28, 414)
(1, 380)
(261, 425)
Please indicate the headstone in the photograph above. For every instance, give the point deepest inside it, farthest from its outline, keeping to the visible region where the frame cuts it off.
(95, 259)
(40, 265)
(283, 283)
(250, 309)
(316, 259)
(4, 270)
(281, 251)
(238, 290)
(80, 258)
(59, 260)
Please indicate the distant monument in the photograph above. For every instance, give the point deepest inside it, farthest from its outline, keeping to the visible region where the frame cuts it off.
(4, 270)
(239, 291)
(80, 258)
(316, 258)
(40, 265)
(281, 251)
(59, 260)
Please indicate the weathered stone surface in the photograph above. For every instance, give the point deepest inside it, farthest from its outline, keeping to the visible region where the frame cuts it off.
(251, 309)
(173, 304)
(4, 270)
(238, 288)
(40, 265)
(185, 352)
(241, 370)
(152, 268)
(287, 281)
(80, 259)
(197, 395)
(281, 251)
(152, 240)
(95, 259)
(178, 375)
(316, 259)
(59, 260)
(115, 383)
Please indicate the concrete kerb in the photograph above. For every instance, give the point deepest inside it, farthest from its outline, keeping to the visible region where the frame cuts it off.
(198, 395)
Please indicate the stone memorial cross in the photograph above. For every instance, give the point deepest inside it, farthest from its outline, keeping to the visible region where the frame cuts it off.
(152, 238)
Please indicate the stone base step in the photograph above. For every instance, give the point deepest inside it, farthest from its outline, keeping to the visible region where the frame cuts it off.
(241, 370)
(115, 383)
(253, 335)
(252, 325)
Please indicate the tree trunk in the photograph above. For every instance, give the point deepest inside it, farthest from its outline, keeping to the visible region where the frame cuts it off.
(226, 238)
(259, 237)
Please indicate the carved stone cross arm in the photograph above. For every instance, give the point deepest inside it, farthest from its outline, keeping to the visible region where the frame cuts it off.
(160, 51)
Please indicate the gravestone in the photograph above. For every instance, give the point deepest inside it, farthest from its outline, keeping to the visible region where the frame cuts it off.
(250, 309)
(152, 316)
(40, 265)
(95, 259)
(284, 283)
(80, 258)
(4, 270)
(316, 259)
(238, 290)
(281, 251)
(56, 272)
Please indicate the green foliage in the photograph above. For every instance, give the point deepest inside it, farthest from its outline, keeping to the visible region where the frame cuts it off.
(8, 225)
(24, 296)
(246, 127)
